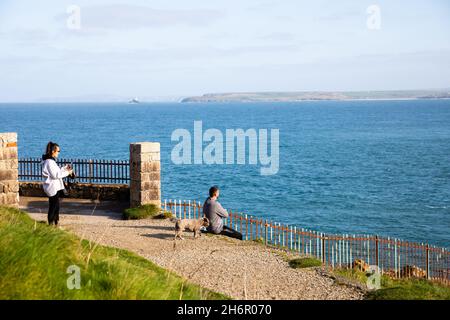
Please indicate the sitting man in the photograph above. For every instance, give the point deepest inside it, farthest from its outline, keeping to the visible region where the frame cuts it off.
(214, 211)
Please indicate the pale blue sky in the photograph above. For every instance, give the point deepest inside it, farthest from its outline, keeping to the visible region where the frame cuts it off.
(179, 48)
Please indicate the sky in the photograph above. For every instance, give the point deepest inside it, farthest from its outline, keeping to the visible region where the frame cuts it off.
(172, 48)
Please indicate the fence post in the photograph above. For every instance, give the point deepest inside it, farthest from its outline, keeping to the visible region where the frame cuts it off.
(271, 233)
(376, 251)
(428, 261)
(230, 218)
(145, 174)
(246, 227)
(265, 232)
(295, 238)
(323, 247)
(90, 171)
(290, 237)
(189, 208)
(397, 252)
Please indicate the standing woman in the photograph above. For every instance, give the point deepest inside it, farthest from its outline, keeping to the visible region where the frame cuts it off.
(53, 184)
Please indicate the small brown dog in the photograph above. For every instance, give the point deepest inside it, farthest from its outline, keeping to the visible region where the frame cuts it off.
(193, 225)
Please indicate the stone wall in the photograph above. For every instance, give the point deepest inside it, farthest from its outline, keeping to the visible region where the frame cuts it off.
(9, 170)
(145, 173)
(110, 192)
(145, 177)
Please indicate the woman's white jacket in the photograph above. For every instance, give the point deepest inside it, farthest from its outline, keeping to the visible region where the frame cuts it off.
(53, 176)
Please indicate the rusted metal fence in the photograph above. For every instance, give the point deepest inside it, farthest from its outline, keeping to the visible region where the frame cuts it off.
(397, 258)
(86, 170)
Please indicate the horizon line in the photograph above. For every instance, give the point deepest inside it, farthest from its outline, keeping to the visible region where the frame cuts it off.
(178, 98)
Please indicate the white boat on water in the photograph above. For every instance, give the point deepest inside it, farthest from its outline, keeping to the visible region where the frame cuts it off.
(134, 100)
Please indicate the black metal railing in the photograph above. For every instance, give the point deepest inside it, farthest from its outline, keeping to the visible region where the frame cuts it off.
(86, 170)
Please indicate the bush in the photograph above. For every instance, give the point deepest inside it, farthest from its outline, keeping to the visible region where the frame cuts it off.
(308, 262)
(167, 214)
(259, 240)
(352, 274)
(142, 212)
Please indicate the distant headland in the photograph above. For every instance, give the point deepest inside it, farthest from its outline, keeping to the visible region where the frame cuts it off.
(319, 95)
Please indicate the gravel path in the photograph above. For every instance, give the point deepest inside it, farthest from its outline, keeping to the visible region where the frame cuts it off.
(239, 269)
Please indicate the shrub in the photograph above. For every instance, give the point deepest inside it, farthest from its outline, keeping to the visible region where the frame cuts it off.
(307, 262)
(166, 214)
(352, 274)
(260, 240)
(142, 212)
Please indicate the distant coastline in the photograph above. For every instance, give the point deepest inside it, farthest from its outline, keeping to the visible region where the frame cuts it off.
(319, 96)
(249, 97)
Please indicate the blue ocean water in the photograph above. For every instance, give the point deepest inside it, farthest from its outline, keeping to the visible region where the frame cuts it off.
(376, 167)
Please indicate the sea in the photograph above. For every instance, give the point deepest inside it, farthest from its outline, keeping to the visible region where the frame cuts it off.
(345, 167)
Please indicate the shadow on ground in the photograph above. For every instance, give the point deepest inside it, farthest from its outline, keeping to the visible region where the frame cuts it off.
(110, 209)
(163, 228)
(163, 236)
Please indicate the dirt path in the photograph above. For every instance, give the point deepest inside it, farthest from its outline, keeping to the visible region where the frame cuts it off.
(239, 269)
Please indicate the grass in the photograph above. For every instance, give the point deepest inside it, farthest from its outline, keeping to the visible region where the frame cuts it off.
(260, 241)
(142, 212)
(399, 289)
(34, 262)
(410, 289)
(307, 262)
(166, 214)
(352, 274)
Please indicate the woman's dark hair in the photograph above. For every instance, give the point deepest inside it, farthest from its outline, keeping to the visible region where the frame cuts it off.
(213, 190)
(51, 147)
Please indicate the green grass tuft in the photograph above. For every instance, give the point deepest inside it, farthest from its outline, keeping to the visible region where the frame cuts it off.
(142, 212)
(352, 274)
(259, 240)
(305, 263)
(399, 289)
(167, 214)
(410, 289)
(35, 257)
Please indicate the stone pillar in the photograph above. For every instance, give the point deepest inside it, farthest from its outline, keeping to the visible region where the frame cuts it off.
(9, 170)
(145, 173)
